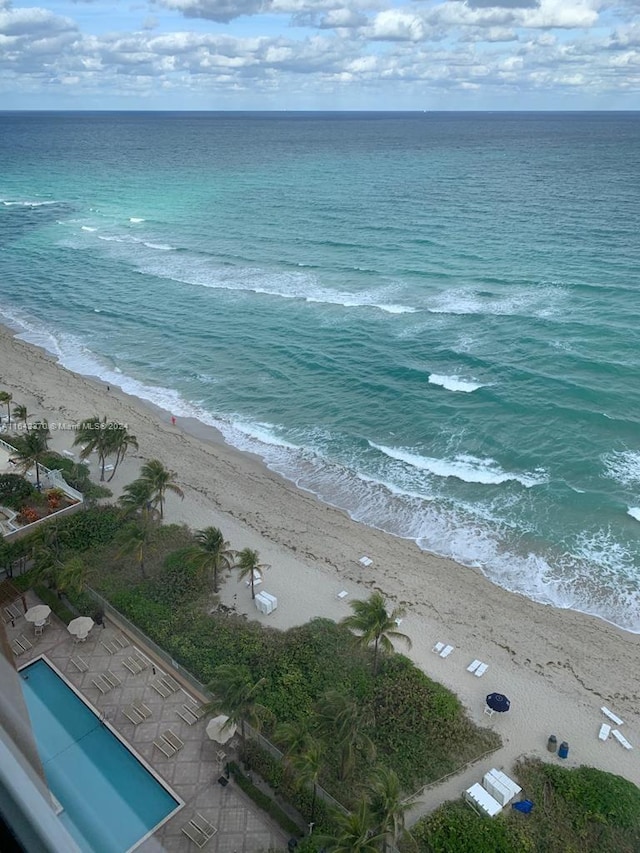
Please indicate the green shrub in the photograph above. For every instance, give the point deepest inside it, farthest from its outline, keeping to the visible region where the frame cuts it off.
(178, 582)
(57, 606)
(264, 801)
(15, 491)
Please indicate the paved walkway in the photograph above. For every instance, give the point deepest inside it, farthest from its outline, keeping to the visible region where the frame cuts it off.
(192, 773)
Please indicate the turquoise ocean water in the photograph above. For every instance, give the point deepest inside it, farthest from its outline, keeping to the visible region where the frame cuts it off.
(430, 320)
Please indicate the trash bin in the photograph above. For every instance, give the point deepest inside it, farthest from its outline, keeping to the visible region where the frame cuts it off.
(563, 751)
(552, 743)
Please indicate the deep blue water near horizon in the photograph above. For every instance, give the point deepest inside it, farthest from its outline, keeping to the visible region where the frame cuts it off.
(429, 320)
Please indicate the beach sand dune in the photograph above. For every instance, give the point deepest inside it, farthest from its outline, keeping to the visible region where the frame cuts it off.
(558, 667)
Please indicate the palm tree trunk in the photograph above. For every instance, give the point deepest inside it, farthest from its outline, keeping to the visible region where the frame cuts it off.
(253, 592)
(37, 476)
(313, 802)
(103, 460)
(115, 467)
(375, 656)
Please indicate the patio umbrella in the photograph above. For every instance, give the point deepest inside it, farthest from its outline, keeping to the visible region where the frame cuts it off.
(81, 626)
(38, 613)
(218, 729)
(498, 702)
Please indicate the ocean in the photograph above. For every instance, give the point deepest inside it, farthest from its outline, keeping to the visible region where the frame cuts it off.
(428, 319)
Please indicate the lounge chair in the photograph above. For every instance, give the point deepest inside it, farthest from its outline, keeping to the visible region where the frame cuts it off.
(133, 715)
(13, 611)
(133, 665)
(205, 827)
(160, 687)
(141, 661)
(80, 663)
(195, 835)
(603, 734)
(194, 708)
(480, 671)
(27, 645)
(611, 716)
(172, 739)
(342, 594)
(446, 652)
(473, 665)
(170, 681)
(438, 648)
(186, 716)
(165, 747)
(621, 739)
(112, 678)
(121, 641)
(142, 709)
(102, 684)
(109, 646)
(365, 561)
(17, 648)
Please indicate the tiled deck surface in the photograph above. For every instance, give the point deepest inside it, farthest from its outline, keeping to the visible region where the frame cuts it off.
(192, 773)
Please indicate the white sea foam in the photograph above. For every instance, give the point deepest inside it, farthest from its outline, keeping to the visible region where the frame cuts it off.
(10, 203)
(88, 228)
(465, 467)
(634, 512)
(136, 219)
(541, 301)
(623, 466)
(454, 383)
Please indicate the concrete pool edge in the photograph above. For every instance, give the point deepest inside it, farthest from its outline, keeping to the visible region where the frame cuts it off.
(180, 803)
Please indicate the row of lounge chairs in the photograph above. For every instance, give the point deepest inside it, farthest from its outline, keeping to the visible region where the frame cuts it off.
(476, 667)
(191, 712)
(106, 681)
(136, 664)
(168, 743)
(165, 685)
(11, 613)
(137, 712)
(20, 645)
(199, 830)
(115, 645)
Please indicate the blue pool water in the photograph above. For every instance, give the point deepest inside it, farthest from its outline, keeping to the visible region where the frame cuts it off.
(110, 800)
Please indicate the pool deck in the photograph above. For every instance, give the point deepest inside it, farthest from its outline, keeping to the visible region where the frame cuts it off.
(192, 773)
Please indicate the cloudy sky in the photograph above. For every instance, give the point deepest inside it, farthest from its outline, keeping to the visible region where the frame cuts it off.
(320, 54)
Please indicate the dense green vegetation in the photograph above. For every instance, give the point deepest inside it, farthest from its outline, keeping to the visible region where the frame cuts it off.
(575, 811)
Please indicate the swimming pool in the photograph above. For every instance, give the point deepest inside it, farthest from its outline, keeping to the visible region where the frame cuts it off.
(110, 800)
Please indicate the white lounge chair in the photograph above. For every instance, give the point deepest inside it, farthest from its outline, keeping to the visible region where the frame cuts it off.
(343, 593)
(446, 651)
(195, 835)
(611, 716)
(186, 716)
(365, 561)
(480, 671)
(172, 739)
(605, 729)
(438, 648)
(473, 665)
(203, 825)
(621, 739)
(80, 663)
(165, 747)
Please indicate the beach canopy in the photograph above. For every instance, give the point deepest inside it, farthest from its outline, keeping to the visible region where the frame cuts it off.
(38, 613)
(80, 626)
(220, 730)
(498, 702)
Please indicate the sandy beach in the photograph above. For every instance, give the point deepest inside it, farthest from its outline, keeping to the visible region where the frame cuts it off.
(558, 667)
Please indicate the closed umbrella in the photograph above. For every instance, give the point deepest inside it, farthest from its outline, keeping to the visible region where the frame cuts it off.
(80, 626)
(498, 702)
(220, 730)
(38, 614)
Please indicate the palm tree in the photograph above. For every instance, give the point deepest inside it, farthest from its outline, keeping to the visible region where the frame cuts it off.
(295, 735)
(248, 563)
(42, 427)
(161, 480)
(355, 832)
(6, 397)
(375, 625)
(120, 443)
(73, 575)
(137, 498)
(20, 414)
(307, 766)
(340, 721)
(134, 539)
(94, 434)
(236, 696)
(29, 449)
(211, 554)
(386, 803)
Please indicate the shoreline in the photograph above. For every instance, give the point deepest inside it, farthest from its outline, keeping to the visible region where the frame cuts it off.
(557, 666)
